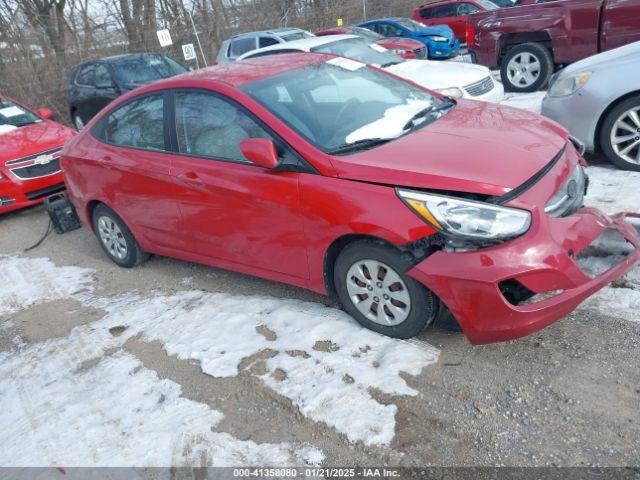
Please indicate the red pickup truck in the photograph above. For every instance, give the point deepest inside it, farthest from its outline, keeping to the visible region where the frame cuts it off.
(529, 42)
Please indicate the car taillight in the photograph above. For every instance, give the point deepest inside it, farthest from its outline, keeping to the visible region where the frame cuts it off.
(471, 34)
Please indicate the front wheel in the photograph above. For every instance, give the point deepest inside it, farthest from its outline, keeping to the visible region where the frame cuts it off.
(373, 288)
(526, 68)
(620, 135)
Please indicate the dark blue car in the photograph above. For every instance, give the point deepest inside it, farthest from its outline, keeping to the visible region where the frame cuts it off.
(439, 39)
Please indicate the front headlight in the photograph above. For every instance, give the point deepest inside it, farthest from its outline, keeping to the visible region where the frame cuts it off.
(467, 219)
(450, 92)
(438, 38)
(569, 85)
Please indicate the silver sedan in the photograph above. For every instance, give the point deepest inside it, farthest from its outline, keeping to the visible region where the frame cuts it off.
(598, 100)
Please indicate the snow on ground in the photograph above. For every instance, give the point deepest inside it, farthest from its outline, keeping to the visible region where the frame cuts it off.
(526, 101)
(322, 359)
(85, 389)
(26, 282)
(613, 190)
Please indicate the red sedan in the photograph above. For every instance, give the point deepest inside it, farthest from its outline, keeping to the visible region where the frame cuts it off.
(30, 145)
(324, 173)
(405, 47)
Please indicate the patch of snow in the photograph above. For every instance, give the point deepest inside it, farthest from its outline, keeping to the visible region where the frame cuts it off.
(7, 128)
(526, 101)
(327, 362)
(391, 124)
(29, 281)
(613, 190)
(618, 302)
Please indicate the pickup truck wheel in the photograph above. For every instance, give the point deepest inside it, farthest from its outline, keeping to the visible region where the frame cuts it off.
(620, 135)
(526, 68)
(373, 288)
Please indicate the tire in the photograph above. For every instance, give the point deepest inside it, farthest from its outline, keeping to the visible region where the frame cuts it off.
(124, 249)
(537, 62)
(77, 121)
(610, 128)
(413, 307)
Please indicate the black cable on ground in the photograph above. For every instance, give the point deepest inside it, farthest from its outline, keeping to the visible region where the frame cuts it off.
(39, 242)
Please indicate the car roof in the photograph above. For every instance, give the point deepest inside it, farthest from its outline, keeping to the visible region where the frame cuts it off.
(115, 58)
(273, 31)
(305, 44)
(238, 73)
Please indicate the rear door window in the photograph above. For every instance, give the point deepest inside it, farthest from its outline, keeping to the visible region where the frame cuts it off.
(267, 42)
(137, 124)
(467, 9)
(443, 11)
(102, 77)
(86, 76)
(240, 46)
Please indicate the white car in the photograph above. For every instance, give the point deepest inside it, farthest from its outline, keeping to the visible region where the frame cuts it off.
(454, 79)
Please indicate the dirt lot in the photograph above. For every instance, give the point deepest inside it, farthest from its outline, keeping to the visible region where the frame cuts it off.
(568, 395)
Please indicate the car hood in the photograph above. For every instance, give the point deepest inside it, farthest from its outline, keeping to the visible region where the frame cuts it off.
(476, 148)
(626, 53)
(32, 139)
(432, 74)
(442, 30)
(400, 43)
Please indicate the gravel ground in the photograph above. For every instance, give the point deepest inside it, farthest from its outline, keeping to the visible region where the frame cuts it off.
(566, 396)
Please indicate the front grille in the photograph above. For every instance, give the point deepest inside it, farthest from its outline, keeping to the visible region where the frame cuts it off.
(480, 88)
(45, 192)
(37, 170)
(421, 53)
(33, 157)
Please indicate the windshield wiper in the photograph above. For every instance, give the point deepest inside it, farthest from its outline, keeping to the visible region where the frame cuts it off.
(426, 111)
(363, 144)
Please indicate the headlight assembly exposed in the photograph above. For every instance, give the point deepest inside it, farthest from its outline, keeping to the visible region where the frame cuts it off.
(467, 219)
(569, 85)
(454, 92)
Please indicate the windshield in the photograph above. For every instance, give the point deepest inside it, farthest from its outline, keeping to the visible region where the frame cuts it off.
(489, 5)
(14, 115)
(409, 24)
(365, 33)
(342, 105)
(146, 69)
(361, 50)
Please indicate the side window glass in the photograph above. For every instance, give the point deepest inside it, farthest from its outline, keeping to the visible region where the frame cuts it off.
(444, 11)
(208, 126)
(138, 124)
(467, 9)
(267, 42)
(241, 46)
(425, 13)
(86, 76)
(102, 77)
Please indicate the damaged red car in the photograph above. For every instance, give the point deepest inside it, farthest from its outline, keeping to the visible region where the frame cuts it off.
(331, 175)
(30, 145)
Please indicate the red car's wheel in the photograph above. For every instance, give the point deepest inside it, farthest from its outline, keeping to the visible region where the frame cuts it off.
(116, 239)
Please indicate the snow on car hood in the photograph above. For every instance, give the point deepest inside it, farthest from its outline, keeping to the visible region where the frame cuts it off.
(6, 128)
(476, 147)
(434, 75)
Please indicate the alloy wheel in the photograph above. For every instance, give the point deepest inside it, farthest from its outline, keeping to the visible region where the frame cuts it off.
(112, 238)
(524, 69)
(378, 292)
(625, 136)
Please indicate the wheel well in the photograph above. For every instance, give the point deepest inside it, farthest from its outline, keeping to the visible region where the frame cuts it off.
(91, 206)
(510, 40)
(332, 254)
(612, 105)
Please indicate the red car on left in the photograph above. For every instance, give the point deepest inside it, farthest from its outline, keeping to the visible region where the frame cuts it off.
(30, 145)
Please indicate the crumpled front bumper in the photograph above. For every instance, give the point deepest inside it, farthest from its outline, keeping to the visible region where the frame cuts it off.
(543, 260)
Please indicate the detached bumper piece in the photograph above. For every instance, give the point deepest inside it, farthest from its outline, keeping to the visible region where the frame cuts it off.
(511, 290)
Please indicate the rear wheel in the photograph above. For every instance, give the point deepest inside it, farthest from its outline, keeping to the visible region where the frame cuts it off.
(620, 135)
(526, 68)
(116, 239)
(373, 288)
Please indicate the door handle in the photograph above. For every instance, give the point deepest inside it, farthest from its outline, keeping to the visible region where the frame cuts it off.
(106, 162)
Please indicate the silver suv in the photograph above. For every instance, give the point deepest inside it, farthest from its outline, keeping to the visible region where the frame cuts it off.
(238, 45)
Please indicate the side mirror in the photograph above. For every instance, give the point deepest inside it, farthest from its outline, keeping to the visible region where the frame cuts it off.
(45, 113)
(260, 151)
